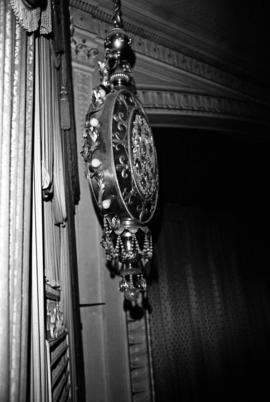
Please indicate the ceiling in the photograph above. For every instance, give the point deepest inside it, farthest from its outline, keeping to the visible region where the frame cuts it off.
(235, 30)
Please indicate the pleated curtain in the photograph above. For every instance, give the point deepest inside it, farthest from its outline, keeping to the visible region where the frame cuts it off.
(16, 169)
(200, 325)
(56, 225)
(35, 234)
(54, 202)
(37, 372)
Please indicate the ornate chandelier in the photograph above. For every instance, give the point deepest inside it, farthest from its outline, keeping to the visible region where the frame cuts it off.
(121, 163)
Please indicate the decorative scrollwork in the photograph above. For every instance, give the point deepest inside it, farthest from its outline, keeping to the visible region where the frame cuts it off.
(121, 121)
(143, 156)
(134, 156)
(132, 164)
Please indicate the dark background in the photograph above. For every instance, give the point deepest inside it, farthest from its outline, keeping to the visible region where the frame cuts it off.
(227, 174)
(227, 171)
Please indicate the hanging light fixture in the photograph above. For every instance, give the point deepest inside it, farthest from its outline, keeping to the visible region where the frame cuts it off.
(121, 163)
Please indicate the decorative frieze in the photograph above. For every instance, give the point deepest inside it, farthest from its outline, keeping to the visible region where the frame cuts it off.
(191, 65)
(201, 103)
(152, 45)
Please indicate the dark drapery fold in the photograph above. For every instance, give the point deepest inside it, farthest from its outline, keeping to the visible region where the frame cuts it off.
(201, 323)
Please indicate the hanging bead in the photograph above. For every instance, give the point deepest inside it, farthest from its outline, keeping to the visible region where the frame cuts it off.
(123, 284)
(117, 247)
(123, 250)
(131, 293)
(141, 282)
(137, 246)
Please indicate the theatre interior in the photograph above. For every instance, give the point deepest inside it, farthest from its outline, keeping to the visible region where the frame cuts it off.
(134, 201)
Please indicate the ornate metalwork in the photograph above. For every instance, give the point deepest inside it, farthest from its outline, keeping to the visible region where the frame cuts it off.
(117, 17)
(121, 162)
(143, 156)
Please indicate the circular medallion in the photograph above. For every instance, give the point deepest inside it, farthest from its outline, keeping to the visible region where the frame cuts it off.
(126, 178)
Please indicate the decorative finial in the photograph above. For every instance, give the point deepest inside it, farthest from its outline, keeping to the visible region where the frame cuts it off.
(119, 56)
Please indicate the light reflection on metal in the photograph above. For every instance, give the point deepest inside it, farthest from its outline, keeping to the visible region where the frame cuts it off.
(121, 164)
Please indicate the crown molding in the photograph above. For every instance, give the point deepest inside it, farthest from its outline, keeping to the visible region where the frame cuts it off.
(201, 104)
(170, 34)
(179, 84)
(97, 22)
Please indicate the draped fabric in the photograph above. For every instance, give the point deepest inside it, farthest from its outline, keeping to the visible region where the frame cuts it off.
(202, 329)
(54, 206)
(57, 225)
(16, 138)
(32, 19)
(37, 335)
(67, 286)
(35, 238)
(59, 200)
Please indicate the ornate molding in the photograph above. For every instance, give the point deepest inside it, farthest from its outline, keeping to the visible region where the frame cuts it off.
(202, 104)
(153, 46)
(83, 49)
(192, 65)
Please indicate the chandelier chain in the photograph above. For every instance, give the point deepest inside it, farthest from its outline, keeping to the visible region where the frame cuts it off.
(117, 16)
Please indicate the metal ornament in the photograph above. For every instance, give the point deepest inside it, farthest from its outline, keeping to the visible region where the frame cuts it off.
(121, 163)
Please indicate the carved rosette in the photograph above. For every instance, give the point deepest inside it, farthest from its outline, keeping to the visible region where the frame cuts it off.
(120, 154)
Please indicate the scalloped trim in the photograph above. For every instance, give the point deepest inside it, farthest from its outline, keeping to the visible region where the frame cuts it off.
(32, 19)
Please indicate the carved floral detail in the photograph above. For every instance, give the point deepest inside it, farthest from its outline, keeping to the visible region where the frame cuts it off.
(82, 50)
